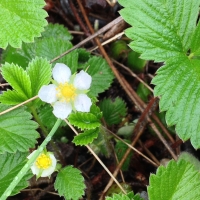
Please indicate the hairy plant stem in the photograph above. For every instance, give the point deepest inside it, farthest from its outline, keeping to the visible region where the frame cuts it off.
(30, 162)
(37, 119)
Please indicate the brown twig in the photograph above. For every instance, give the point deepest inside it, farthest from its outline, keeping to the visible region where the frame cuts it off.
(102, 30)
(149, 153)
(75, 12)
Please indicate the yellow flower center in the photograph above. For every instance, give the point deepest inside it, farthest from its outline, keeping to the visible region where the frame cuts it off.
(66, 92)
(43, 161)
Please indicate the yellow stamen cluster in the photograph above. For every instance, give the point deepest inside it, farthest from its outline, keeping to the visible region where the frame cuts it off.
(66, 92)
(43, 161)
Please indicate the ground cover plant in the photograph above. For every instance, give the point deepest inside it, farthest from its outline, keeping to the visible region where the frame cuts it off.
(76, 123)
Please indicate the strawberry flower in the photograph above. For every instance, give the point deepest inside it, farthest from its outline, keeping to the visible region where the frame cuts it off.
(68, 92)
(44, 165)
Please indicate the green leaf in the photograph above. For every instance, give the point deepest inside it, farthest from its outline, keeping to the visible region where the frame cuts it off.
(102, 145)
(10, 165)
(179, 180)
(57, 31)
(114, 189)
(120, 150)
(52, 47)
(70, 183)
(113, 111)
(39, 71)
(86, 137)
(26, 84)
(13, 55)
(118, 197)
(190, 158)
(195, 48)
(178, 84)
(49, 46)
(21, 20)
(84, 120)
(20, 82)
(17, 130)
(129, 196)
(101, 75)
(83, 55)
(96, 111)
(165, 31)
(161, 29)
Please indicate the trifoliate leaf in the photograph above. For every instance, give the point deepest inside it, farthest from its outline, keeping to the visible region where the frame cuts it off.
(86, 137)
(113, 111)
(161, 30)
(26, 84)
(101, 73)
(10, 165)
(179, 180)
(70, 183)
(178, 84)
(21, 20)
(17, 130)
(57, 31)
(84, 120)
(120, 150)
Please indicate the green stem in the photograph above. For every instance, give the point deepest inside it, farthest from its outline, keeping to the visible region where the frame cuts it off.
(45, 133)
(37, 119)
(30, 162)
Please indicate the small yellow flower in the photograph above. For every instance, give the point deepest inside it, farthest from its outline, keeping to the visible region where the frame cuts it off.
(44, 165)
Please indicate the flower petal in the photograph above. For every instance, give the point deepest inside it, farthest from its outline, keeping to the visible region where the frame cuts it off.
(47, 93)
(82, 80)
(35, 170)
(51, 169)
(61, 73)
(61, 109)
(82, 103)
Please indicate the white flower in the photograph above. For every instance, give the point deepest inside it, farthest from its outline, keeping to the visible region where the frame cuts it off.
(44, 165)
(68, 91)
